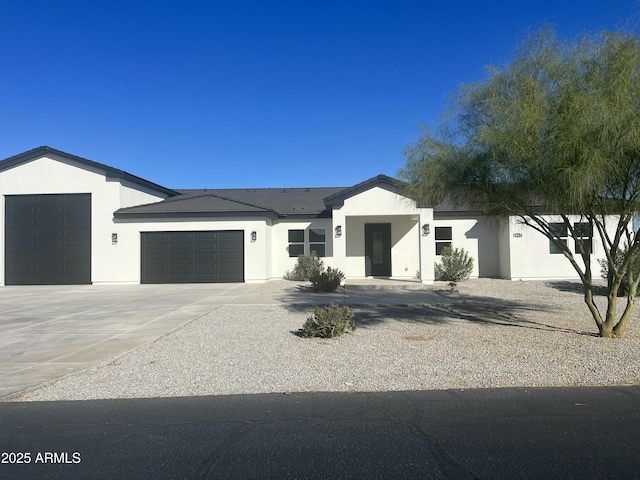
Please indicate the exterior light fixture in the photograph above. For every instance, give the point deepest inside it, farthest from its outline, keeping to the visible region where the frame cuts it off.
(338, 230)
(254, 236)
(114, 238)
(425, 229)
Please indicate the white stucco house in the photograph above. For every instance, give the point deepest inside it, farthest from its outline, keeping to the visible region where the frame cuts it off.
(69, 220)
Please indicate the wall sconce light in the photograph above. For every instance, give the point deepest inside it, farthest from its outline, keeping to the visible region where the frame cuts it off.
(114, 238)
(425, 229)
(338, 230)
(254, 236)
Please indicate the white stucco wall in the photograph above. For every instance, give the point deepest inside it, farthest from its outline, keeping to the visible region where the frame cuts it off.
(256, 254)
(281, 262)
(410, 251)
(53, 175)
(504, 250)
(530, 259)
(405, 236)
(479, 236)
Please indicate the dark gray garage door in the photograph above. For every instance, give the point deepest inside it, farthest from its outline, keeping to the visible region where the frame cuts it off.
(48, 239)
(192, 257)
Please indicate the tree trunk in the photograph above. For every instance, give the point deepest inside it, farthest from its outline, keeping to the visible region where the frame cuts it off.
(588, 299)
(619, 329)
(606, 328)
(606, 331)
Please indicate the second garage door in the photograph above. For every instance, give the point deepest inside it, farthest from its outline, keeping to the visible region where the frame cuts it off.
(48, 239)
(192, 257)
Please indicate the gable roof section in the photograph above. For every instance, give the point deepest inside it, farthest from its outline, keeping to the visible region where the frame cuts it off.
(111, 173)
(197, 203)
(287, 202)
(270, 202)
(382, 181)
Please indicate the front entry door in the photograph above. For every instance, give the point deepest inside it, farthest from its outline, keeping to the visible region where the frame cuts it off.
(377, 249)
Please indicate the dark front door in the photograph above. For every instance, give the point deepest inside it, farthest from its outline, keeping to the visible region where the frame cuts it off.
(377, 249)
(48, 239)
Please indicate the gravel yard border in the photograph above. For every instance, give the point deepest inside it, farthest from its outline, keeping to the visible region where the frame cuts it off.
(487, 334)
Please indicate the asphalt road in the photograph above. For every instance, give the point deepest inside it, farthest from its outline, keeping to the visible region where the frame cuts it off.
(580, 433)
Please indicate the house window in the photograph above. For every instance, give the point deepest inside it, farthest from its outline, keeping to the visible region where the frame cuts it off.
(584, 234)
(443, 239)
(317, 239)
(296, 243)
(559, 231)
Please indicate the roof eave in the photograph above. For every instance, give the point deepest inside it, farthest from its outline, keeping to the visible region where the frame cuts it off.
(227, 214)
(111, 172)
(382, 181)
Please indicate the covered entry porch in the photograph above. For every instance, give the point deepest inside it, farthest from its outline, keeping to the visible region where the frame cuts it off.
(379, 232)
(384, 246)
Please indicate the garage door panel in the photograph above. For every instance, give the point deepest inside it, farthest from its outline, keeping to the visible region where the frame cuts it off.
(192, 257)
(205, 256)
(155, 241)
(181, 268)
(180, 258)
(48, 239)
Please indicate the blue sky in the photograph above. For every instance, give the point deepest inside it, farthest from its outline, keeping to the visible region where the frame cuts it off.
(193, 94)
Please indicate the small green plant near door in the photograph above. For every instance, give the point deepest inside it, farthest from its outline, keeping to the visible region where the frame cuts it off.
(306, 267)
(327, 281)
(328, 322)
(456, 265)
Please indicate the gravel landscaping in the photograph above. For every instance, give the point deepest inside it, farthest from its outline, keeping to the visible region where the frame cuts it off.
(488, 333)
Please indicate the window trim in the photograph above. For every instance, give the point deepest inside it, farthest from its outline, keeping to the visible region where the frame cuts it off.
(443, 242)
(322, 243)
(306, 245)
(585, 239)
(295, 243)
(562, 235)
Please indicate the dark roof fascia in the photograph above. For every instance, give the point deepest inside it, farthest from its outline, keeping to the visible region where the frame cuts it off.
(301, 216)
(130, 212)
(133, 215)
(383, 181)
(457, 214)
(111, 172)
(445, 214)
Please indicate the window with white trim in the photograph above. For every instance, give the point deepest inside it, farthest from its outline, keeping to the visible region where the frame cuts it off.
(443, 238)
(584, 233)
(296, 243)
(559, 231)
(317, 241)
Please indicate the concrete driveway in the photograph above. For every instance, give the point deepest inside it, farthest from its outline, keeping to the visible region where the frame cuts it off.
(47, 332)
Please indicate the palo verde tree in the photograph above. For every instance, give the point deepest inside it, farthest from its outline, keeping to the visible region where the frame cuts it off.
(554, 133)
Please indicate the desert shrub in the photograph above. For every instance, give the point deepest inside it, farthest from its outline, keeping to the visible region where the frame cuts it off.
(307, 266)
(456, 265)
(327, 281)
(328, 322)
(618, 260)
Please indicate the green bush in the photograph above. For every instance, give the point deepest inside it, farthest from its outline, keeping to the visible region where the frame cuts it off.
(308, 265)
(327, 281)
(329, 322)
(618, 260)
(456, 265)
